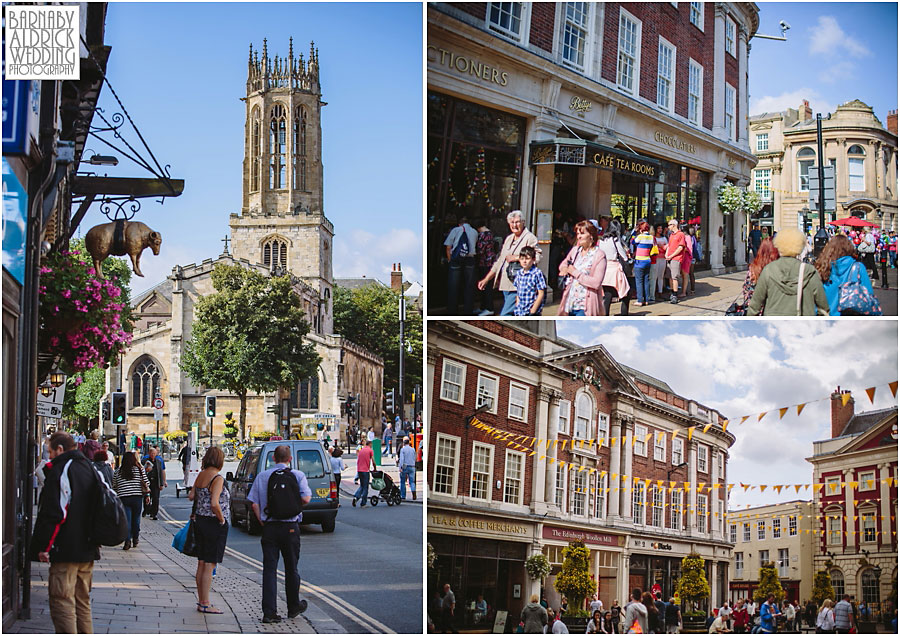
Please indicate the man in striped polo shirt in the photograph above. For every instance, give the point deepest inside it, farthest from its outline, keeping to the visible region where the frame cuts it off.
(641, 244)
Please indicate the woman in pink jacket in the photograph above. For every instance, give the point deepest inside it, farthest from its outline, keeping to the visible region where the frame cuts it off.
(584, 269)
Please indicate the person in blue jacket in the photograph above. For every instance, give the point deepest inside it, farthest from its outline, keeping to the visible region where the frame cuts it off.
(767, 615)
(836, 265)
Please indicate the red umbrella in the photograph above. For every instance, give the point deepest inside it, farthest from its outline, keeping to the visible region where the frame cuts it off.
(853, 221)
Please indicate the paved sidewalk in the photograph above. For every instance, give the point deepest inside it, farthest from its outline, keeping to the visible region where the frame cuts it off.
(150, 590)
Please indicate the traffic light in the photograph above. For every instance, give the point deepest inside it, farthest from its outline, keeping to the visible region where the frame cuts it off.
(104, 411)
(119, 408)
(389, 401)
(348, 406)
(210, 406)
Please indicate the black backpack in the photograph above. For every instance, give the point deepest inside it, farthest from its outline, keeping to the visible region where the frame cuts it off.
(283, 495)
(109, 525)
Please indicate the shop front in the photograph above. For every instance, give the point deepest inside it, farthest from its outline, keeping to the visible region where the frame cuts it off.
(606, 558)
(483, 560)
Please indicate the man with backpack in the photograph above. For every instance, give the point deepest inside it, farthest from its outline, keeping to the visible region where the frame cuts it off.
(62, 532)
(278, 496)
(460, 252)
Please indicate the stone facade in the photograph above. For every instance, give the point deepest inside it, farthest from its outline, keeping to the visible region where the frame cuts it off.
(281, 230)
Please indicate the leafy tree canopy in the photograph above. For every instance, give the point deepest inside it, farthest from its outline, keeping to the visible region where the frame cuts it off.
(769, 583)
(822, 588)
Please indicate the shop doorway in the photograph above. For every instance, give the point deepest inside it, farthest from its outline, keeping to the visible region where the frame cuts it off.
(565, 216)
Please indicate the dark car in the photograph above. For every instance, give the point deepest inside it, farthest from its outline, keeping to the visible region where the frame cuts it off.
(307, 456)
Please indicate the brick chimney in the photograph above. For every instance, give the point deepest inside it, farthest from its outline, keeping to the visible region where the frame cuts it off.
(805, 110)
(840, 413)
(892, 121)
(396, 278)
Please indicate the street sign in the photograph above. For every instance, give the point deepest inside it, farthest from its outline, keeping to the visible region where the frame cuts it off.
(51, 405)
(158, 403)
(828, 172)
(157, 415)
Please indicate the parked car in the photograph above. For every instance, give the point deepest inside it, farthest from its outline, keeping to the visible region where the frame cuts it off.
(307, 456)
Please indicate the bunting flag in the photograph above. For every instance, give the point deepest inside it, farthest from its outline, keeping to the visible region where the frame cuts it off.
(744, 418)
(762, 415)
(845, 397)
(706, 428)
(691, 433)
(724, 426)
(893, 387)
(871, 393)
(782, 411)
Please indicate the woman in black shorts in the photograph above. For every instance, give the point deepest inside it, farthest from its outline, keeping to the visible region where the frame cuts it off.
(213, 507)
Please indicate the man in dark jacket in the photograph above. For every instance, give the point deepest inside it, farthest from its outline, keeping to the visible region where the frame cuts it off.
(61, 535)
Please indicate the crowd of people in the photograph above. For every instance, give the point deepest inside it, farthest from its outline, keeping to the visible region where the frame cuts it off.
(592, 263)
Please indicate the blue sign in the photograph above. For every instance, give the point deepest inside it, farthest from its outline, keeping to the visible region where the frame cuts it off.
(15, 223)
(21, 114)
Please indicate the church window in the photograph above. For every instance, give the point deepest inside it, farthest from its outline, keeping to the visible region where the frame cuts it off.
(255, 151)
(277, 148)
(275, 253)
(144, 383)
(306, 395)
(299, 147)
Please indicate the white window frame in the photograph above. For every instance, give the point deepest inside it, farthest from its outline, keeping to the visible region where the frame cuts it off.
(761, 530)
(746, 538)
(784, 562)
(861, 177)
(676, 512)
(496, 395)
(702, 516)
(702, 459)
(636, 58)
(678, 444)
(438, 464)
(834, 527)
(603, 428)
(521, 478)
(732, 532)
(668, 78)
(862, 480)
(730, 37)
(659, 447)
(490, 471)
(696, 11)
(575, 26)
(639, 503)
(762, 183)
(809, 158)
(776, 528)
(462, 380)
(524, 20)
(869, 523)
(565, 406)
(640, 445)
(657, 507)
(827, 491)
(762, 142)
(720, 523)
(580, 493)
(583, 431)
(695, 72)
(730, 111)
(792, 526)
(600, 499)
(721, 466)
(738, 565)
(524, 406)
(559, 487)
(763, 557)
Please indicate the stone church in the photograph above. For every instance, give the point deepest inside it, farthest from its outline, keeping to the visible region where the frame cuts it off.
(281, 229)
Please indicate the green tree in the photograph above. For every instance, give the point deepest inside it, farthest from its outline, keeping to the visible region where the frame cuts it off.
(768, 584)
(369, 316)
(249, 336)
(822, 588)
(574, 579)
(692, 586)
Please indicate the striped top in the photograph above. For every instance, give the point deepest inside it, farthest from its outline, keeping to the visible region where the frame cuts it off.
(642, 244)
(129, 486)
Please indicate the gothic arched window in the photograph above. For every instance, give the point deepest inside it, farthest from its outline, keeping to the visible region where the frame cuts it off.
(299, 148)
(308, 393)
(275, 252)
(255, 150)
(277, 148)
(144, 383)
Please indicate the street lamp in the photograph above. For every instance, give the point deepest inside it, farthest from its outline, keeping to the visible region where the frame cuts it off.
(46, 389)
(57, 378)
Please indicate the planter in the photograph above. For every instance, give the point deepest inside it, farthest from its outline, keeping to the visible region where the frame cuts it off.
(230, 435)
(693, 625)
(575, 624)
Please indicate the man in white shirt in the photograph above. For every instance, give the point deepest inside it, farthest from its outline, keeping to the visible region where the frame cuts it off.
(460, 252)
(406, 461)
(596, 604)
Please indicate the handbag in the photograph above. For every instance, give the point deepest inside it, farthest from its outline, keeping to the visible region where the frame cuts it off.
(512, 268)
(855, 299)
(564, 280)
(185, 540)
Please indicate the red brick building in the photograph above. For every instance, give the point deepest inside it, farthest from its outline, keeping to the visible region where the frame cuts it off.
(569, 109)
(563, 471)
(857, 501)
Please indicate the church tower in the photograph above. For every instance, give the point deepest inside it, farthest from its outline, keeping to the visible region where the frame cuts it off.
(282, 222)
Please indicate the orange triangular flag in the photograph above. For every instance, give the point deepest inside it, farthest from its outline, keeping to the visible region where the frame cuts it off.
(800, 408)
(762, 415)
(706, 428)
(798, 487)
(871, 393)
(691, 432)
(777, 489)
(782, 411)
(893, 387)
(845, 397)
(725, 425)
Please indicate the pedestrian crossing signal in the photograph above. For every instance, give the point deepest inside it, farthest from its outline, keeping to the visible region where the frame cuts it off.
(119, 408)
(210, 406)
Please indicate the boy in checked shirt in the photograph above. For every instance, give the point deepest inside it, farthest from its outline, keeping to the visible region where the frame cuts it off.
(530, 285)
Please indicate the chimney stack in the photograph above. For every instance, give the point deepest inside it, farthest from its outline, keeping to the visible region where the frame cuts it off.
(396, 278)
(892, 121)
(805, 111)
(841, 413)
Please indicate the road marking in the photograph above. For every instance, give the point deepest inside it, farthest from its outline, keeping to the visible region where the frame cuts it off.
(374, 626)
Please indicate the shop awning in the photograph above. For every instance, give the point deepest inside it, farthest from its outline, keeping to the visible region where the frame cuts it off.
(580, 152)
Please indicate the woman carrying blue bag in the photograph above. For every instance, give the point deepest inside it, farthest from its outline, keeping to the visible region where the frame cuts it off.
(847, 286)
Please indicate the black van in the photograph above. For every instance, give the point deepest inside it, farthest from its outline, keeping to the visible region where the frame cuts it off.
(306, 455)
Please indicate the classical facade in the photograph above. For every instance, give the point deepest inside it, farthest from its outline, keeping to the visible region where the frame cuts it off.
(282, 229)
(582, 447)
(855, 479)
(568, 110)
(862, 151)
(778, 533)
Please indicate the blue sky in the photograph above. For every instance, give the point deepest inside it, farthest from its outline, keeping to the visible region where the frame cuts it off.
(180, 69)
(745, 367)
(835, 52)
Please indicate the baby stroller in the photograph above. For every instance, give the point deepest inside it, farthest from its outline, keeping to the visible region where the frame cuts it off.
(386, 488)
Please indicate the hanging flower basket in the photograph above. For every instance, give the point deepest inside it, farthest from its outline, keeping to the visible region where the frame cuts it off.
(734, 199)
(84, 320)
(537, 566)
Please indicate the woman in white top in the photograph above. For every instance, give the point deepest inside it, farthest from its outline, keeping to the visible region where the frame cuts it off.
(825, 619)
(509, 252)
(658, 269)
(615, 282)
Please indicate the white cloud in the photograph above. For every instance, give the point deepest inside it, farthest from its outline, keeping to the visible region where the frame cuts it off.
(828, 39)
(790, 99)
(359, 253)
(157, 268)
(838, 72)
